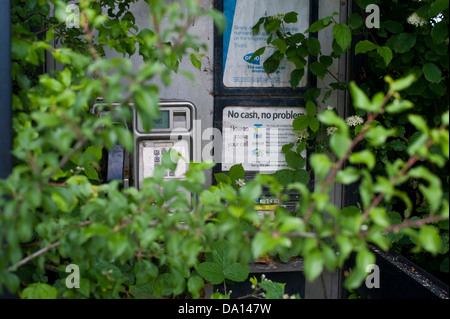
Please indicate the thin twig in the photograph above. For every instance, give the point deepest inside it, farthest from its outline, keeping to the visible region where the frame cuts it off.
(361, 135)
(407, 224)
(34, 255)
(412, 160)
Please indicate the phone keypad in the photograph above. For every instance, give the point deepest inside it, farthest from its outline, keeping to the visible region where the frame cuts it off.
(158, 152)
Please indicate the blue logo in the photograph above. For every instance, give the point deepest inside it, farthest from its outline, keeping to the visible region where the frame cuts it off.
(257, 152)
(255, 61)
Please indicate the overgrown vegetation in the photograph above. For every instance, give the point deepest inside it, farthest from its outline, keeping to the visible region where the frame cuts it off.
(411, 42)
(152, 243)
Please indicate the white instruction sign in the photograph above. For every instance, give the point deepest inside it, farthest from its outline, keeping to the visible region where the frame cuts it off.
(239, 43)
(254, 136)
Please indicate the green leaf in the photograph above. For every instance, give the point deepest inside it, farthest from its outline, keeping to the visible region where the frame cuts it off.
(145, 272)
(65, 76)
(272, 63)
(330, 118)
(345, 247)
(378, 135)
(313, 46)
(445, 118)
(313, 264)
(218, 295)
(364, 47)
(379, 216)
(294, 160)
(301, 123)
(437, 7)
(280, 44)
(262, 243)
(284, 176)
(250, 191)
(212, 272)
(311, 108)
(95, 151)
(296, 77)
(385, 53)
(433, 192)
(50, 83)
(195, 61)
(363, 157)
(398, 145)
(342, 35)
(292, 224)
(148, 70)
(318, 69)
(319, 25)
(96, 229)
(90, 172)
(348, 176)
(364, 258)
(403, 83)
(236, 272)
(439, 32)
(355, 21)
(274, 290)
(272, 25)
(218, 18)
(236, 172)
(146, 102)
(430, 239)
(403, 42)
(46, 119)
(19, 48)
(298, 61)
(432, 73)
(290, 17)
(321, 164)
(314, 124)
(394, 27)
(11, 280)
(256, 27)
(125, 138)
(419, 122)
(195, 284)
(222, 178)
(117, 244)
(340, 143)
(360, 99)
(399, 106)
(39, 291)
(65, 199)
(326, 60)
(258, 53)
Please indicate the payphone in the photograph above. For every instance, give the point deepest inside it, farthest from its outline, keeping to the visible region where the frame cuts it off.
(173, 130)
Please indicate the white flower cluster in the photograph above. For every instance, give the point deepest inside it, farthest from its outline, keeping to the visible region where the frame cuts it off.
(78, 169)
(354, 120)
(278, 16)
(351, 121)
(301, 135)
(415, 20)
(331, 130)
(240, 182)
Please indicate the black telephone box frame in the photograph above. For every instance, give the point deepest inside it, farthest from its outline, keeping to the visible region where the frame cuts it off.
(253, 96)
